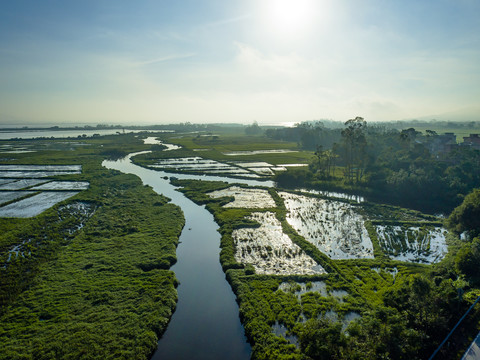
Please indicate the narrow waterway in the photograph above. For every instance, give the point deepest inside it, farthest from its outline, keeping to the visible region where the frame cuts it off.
(205, 324)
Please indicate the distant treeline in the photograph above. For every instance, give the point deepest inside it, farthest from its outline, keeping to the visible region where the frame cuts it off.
(427, 172)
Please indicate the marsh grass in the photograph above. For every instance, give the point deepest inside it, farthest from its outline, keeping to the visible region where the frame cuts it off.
(100, 290)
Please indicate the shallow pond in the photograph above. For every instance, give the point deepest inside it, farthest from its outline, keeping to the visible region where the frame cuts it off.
(205, 324)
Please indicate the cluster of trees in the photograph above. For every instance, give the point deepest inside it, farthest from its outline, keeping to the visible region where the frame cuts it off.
(386, 164)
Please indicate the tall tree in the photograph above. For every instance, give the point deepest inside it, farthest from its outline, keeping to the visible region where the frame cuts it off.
(355, 144)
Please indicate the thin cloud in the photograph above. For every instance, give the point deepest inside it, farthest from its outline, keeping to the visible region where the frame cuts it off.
(227, 21)
(163, 59)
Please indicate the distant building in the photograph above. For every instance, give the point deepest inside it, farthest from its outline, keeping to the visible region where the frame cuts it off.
(442, 144)
(473, 140)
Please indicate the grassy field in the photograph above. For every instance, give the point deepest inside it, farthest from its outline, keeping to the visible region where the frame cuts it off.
(216, 146)
(103, 291)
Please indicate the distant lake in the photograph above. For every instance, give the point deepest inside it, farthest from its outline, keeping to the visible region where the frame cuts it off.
(74, 133)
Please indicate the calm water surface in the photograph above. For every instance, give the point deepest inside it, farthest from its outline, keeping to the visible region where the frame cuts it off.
(205, 324)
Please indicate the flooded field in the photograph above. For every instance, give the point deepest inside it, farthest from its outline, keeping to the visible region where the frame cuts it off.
(334, 227)
(76, 168)
(245, 197)
(15, 179)
(63, 185)
(7, 196)
(334, 194)
(258, 152)
(35, 205)
(15, 184)
(413, 243)
(270, 250)
(200, 165)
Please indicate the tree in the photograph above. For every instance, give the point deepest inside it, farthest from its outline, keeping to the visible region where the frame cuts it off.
(325, 162)
(323, 339)
(466, 217)
(355, 148)
(467, 261)
(253, 129)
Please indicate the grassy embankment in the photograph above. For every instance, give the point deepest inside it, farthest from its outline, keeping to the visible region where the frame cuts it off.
(103, 292)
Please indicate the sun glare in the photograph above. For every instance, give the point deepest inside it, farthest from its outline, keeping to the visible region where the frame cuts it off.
(289, 17)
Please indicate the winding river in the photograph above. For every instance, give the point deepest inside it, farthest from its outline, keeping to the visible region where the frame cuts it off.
(205, 324)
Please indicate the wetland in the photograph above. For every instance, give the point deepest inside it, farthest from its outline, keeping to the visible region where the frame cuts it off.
(175, 245)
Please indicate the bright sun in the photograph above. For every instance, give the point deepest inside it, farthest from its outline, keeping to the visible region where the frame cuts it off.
(289, 16)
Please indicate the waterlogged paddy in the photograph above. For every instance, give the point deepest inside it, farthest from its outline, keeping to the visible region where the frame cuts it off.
(15, 184)
(15, 179)
(77, 168)
(413, 243)
(7, 196)
(258, 152)
(198, 164)
(35, 205)
(332, 226)
(270, 250)
(334, 194)
(201, 166)
(63, 185)
(245, 197)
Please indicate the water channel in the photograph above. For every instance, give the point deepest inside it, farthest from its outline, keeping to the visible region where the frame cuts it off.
(205, 324)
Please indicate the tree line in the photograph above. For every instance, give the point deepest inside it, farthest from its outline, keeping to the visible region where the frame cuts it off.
(388, 165)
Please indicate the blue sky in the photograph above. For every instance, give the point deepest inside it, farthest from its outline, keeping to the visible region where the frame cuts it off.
(273, 61)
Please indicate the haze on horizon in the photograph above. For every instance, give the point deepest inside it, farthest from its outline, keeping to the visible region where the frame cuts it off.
(271, 61)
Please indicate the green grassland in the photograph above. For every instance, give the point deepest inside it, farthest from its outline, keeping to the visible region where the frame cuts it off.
(103, 291)
(214, 147)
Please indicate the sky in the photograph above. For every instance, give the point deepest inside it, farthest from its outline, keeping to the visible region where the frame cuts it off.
(270, 61)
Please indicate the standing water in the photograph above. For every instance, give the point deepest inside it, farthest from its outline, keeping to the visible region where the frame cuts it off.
(205, 324)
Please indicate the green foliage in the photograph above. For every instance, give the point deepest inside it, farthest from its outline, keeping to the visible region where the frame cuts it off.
(467, 261)
(253, 129)
(466, 217)
(388, 166)
(323, 340)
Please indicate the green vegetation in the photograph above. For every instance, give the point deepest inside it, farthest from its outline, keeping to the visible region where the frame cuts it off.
(427, 172)
(216, 146)
(106, 289)
(102, 291)
(399, 309)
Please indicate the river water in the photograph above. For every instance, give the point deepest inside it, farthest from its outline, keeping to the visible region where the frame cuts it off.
(205, 324)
